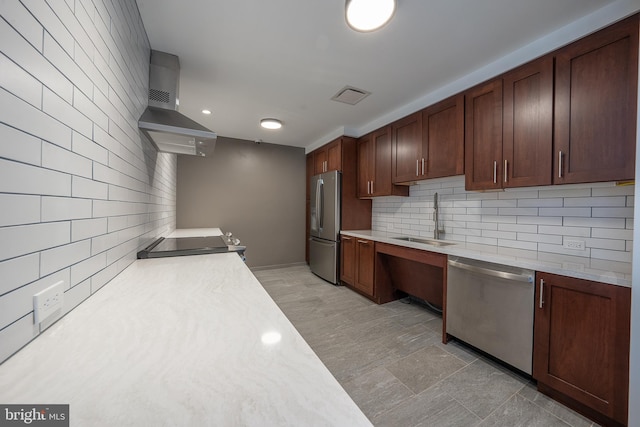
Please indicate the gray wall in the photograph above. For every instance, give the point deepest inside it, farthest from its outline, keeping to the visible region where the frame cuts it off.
(256, 191)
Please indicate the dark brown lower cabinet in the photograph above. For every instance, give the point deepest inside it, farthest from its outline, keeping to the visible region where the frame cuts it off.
(365, 255)
(357, 266)
(581, 345)
(348, 259)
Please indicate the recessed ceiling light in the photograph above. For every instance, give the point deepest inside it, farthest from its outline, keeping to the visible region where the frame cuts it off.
(369, 15)
(271, 123)
(206, 112)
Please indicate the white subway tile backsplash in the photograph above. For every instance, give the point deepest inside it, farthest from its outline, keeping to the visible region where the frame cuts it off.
(615, 245)
(22, 178)
(86, 228)
(64, 62)
(30, 59)
(18, 209)
(65, 208)
(17, 335)
(60, 257)
(20, 146)
(565, 231)
(583, 212)
(594, 222)
(21, 115)
(608, 233)
(613, 212)
(19, 302)
(535, 218)
(89, 149)
(82, 103)
(103, 242)
(618, 190)
(88, 189)
(26, 239)
(23, 22)
(50, 22)
(611, 255)
(61, 159)
(518, 244)
(73, 82)
(20, 83)
(18, 272)
(58, 108)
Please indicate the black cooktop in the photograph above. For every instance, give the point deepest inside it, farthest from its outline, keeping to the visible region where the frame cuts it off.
(184, 246)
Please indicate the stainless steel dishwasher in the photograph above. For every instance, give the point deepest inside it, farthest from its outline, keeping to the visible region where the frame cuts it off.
(490, 306)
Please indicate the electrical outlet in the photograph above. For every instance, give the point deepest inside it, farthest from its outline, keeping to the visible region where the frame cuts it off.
(48, 301)
(574, 244)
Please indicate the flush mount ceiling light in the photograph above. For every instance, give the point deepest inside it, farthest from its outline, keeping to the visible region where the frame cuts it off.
(369, 15)
(271, 123)
(207, 112)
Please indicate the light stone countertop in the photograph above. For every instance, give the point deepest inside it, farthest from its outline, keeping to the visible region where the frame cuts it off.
(611, 272)
(195, 232)
(183, 341)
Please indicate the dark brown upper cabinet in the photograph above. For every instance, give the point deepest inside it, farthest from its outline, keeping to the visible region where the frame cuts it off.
(443, 138)
(483, 136)
(374, 166)
(406, 140)
(429, 143)
(595, 106)
(509, 124)
(328, 157)
(527, 126)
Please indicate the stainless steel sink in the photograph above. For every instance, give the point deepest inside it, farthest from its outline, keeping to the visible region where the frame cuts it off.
(424, 241)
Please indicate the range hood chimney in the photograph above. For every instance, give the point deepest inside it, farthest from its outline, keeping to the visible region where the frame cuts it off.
(168, 130)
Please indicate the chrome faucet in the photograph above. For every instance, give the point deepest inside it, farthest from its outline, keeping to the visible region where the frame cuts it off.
(436, 228)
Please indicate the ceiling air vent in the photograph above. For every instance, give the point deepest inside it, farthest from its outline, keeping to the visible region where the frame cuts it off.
(350, 95)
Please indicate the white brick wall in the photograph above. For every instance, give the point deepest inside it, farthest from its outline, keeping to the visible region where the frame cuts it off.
(80, 192)
(537, 218)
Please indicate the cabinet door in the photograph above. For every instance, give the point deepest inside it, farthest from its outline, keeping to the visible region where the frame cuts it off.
(365, 253)
(595, 106)
(581, 342)
(334, 155)
(406, 141)
(381, 182)
(348, 259)
(365, 166)
(442, 151)
(483, 136)
(528, 127)
(320, 160)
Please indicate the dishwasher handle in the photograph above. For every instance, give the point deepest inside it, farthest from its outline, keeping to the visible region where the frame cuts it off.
(527, 278)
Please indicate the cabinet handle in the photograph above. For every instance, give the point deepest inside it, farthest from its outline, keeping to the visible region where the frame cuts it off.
(371, 187)
(505, 170)
(423, 166)
(417, 167)
(346, 238)
(560, 164)
(495, 172)
(541, 302)
(368, 187)
(364, 242)
(326, 165)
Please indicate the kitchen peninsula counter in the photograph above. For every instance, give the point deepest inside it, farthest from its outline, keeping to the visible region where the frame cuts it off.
(611, 272)
(191, 340)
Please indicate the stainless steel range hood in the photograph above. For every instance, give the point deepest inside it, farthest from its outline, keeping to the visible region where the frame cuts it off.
(169, 130)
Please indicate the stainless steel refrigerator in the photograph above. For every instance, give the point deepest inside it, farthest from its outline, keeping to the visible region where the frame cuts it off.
(325, 225)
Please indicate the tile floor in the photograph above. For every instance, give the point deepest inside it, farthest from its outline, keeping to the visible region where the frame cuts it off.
(391, 360)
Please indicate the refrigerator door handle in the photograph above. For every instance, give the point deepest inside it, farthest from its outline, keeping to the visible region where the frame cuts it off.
(321, 205)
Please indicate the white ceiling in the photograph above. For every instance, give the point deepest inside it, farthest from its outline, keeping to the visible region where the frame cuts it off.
(249, 59)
